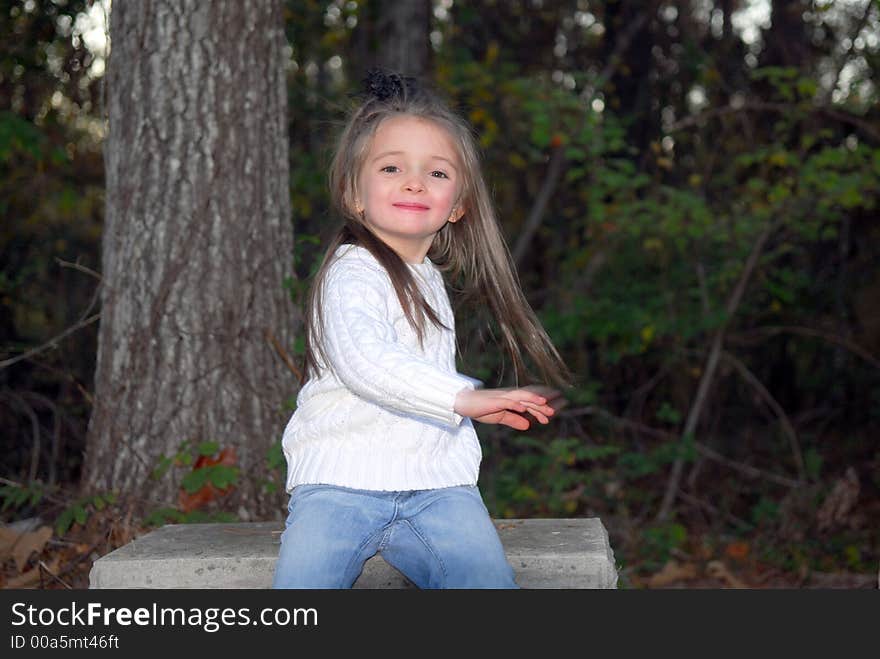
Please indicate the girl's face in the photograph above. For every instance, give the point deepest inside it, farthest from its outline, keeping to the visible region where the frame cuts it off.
(409, 185)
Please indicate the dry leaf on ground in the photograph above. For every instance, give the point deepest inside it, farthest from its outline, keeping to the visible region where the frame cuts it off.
(21, 545)
(719, 570)
(838, 504)
(738, 550)
(673, 571)
(32, 576)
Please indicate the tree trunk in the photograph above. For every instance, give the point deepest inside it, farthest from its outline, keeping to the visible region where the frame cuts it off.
(786, 40)
(197, 244)
(404, 36)
(394, 35)
(629, 91)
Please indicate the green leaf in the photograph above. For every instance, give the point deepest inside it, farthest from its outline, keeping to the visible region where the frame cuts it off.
(222, 476)
(668, 413)
(163, 516)
(208, 448)
(597, 452)
(275, 456)
(195, 480)
(63, 522)
(162, 468)
(813, 463)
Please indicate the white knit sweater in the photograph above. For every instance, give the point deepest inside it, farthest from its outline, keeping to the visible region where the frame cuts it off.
(380, 415)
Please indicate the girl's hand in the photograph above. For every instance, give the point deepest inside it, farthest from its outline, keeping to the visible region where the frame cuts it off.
(508, 406)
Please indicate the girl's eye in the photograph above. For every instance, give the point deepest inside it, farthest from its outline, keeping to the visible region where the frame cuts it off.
(439, 174)
(389, 169)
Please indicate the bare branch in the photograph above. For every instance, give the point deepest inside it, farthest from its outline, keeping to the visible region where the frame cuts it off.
(270, 337)
(787, 427)
(18, 401)
(781, 108)
(536, 215)
(745, 469)
(701, 448)
(708, 507)
(84, 321)
(55, 576)
(808, 331)
(56, 430)
(80, 267)
(711, 365)
(51, 343)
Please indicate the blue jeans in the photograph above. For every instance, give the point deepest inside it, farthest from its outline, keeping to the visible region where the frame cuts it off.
(440, 538)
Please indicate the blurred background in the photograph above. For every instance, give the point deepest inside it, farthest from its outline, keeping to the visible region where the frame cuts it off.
(689, 189)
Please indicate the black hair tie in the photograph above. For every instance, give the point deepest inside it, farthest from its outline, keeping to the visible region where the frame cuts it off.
(384, 86)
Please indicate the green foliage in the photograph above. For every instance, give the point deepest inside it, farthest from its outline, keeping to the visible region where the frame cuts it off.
(668, 413)
(536, 477)
(18, 136)
(162, 516)
(765, 511)
(220, 476)
(658, 542)
(276, 464)
(638, 464)
(80, 509)
(205, 472)
(813, 463)
(15, 497)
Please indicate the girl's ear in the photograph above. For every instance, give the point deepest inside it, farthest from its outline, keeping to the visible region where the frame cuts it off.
(457, 213)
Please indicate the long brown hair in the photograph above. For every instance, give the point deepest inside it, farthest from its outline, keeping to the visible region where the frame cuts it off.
(471, 251)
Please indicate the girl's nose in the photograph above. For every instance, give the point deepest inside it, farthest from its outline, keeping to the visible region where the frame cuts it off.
(414, 184)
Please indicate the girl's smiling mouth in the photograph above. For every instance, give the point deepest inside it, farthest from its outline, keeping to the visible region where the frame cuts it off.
(410, 206)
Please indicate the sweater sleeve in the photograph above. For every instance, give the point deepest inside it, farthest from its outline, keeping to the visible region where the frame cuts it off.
(364, 352)
(478, 384)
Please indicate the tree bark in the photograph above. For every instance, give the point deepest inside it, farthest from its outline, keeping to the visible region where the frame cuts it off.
(393, 35)
(197, 243)
(786, 40)
(629, 91)
(404, 36)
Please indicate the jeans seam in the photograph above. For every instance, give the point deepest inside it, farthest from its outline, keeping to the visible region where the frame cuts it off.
(366, 541)
(385, 529)
(390, 525)
(421, 536)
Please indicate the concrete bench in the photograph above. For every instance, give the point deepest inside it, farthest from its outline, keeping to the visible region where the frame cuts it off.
(544, 553)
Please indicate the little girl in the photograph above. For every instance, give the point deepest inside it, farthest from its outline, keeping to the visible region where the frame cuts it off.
(381, 451)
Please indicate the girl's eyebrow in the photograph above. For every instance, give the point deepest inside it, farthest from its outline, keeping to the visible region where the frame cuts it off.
(385, 154)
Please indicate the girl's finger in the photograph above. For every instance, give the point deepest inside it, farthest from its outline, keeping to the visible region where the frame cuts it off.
(528, 395)
(540, 417)
(508, 404)
(547, 410)
(515, 421)
(541, 413)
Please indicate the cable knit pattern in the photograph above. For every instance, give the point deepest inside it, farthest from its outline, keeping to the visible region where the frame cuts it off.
(380, 415)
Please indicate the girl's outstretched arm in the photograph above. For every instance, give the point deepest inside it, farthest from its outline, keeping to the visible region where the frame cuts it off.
(509, 406)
